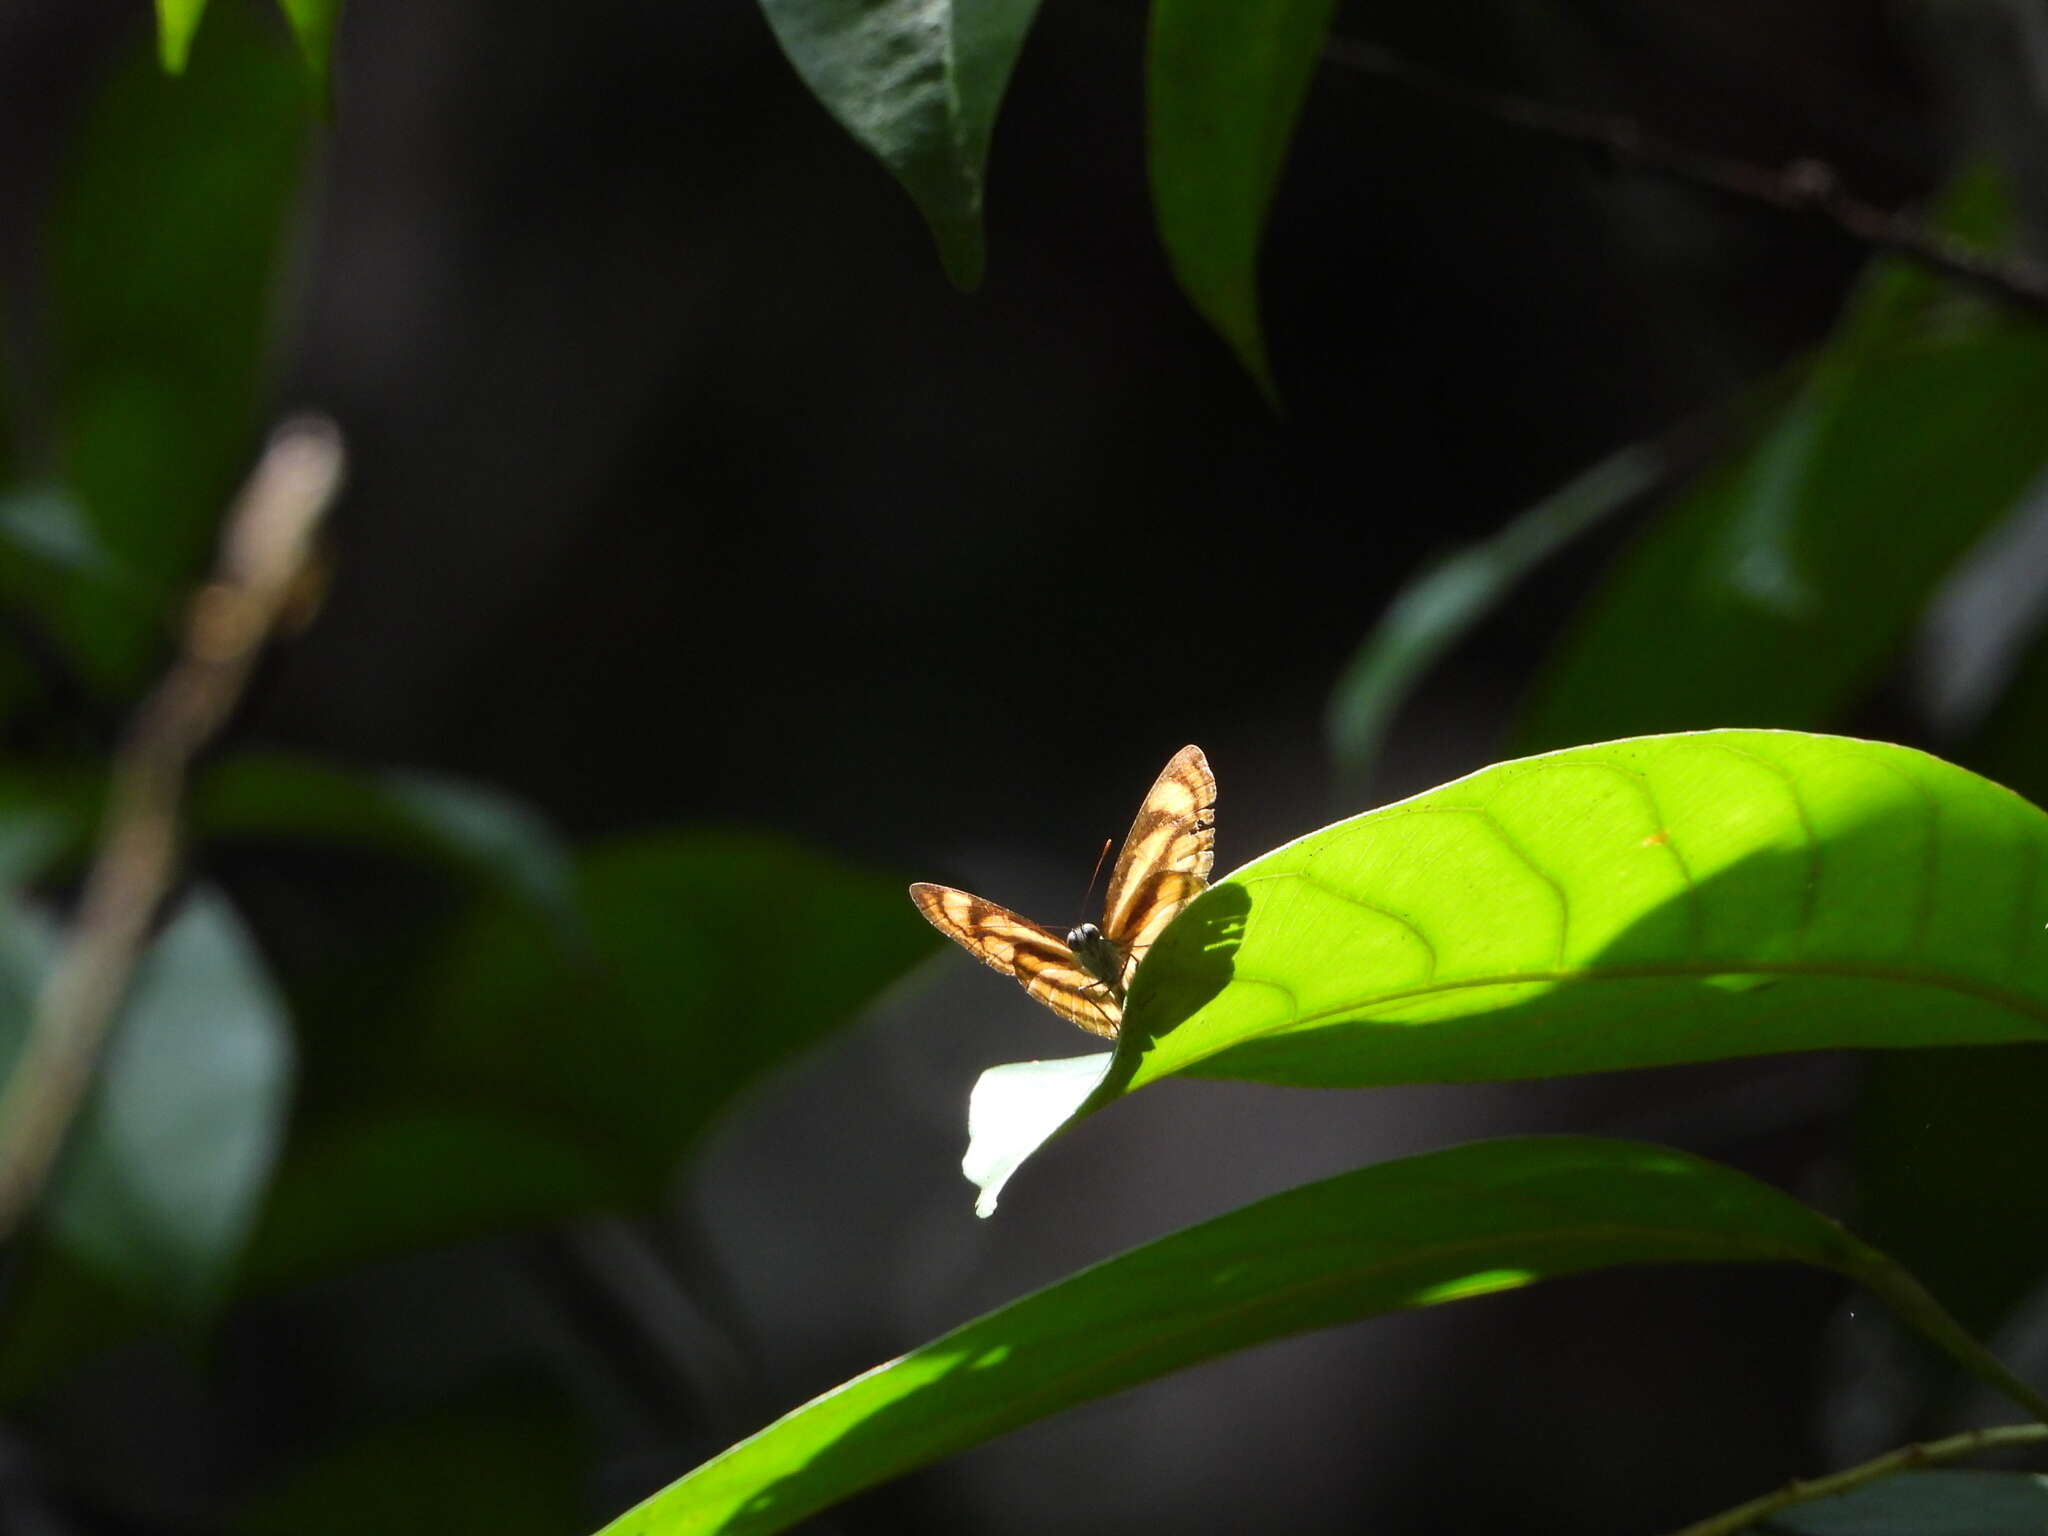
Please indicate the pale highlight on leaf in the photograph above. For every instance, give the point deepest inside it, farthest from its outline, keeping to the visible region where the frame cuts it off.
(1164, 865)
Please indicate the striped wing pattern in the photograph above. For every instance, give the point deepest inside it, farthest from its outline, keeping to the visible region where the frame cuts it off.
(1166, 859)
(1016, 946)
(1164, 865)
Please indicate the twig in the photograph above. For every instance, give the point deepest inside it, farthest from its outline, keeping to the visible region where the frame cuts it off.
(1804, 186)
(264, 554)
(1927, 1453)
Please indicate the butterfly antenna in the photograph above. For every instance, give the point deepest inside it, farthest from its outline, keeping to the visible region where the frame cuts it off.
(1096, 874)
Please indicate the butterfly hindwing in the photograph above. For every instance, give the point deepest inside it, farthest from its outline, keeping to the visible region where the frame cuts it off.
(1039, 958)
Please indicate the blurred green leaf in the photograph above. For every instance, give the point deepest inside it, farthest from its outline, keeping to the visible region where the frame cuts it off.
(508, 1463)
(1927, 1503)
(163, 256)
(536, 1079)
(1777, 591)
(470, 828)
(171, 1156)
(917, 82)
(176, 22)
(1436, 609)
(313, 23)
(1637, 903)
(1412, 1233)
(1225, 80)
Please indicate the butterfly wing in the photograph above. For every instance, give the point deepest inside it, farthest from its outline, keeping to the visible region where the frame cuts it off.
(1016, 946)
(1166, 860)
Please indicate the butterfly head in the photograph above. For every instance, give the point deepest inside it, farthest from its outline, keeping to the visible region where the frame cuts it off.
(1100, 955)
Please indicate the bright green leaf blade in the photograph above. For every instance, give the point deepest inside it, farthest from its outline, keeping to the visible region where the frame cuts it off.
(313, 23)
(1778, 590)
(1636, 903)
(163, 253)
(917, 82)
(1929, 1503)
(1225, 80)
(1436, 609)
(173, 1151)
(1447, 1225)
(176, 22)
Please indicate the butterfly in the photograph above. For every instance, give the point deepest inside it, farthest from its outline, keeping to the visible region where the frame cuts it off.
(1083, 977)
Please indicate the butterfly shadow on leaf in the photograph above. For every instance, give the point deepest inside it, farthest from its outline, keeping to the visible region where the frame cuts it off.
(1192, 962)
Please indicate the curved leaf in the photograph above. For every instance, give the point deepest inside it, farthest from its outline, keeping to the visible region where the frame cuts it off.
(917, 82)
(536, 1079)
(1225, 80)
(1436, 609)
(1464, 1222)
(1637, 903)
(1778, 590)
(164, 1171)
(468, 827)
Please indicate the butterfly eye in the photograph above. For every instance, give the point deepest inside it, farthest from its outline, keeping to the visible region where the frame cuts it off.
(1083, 937)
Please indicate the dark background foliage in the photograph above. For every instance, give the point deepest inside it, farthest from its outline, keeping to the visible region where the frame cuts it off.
(685, 492)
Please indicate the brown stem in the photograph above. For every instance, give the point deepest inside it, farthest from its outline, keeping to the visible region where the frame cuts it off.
(264, 557)
(1805, 186)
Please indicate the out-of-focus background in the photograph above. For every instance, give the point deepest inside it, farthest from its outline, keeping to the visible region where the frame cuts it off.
(709, 568)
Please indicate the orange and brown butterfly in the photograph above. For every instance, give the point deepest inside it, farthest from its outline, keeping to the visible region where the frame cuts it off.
(1083, 977)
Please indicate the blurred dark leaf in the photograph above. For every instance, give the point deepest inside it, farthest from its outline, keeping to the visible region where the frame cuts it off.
(1432, 612)
(1949, 1151)
(917, 82)
(539, 1079)
(1225, 80)
(508, 1463)
(171, 1156)
(163, 257)
(469, 828)
(313, 23)
(1927, 1503)
(1777, 591)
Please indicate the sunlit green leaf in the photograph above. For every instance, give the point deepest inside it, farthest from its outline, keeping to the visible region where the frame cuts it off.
(917, 82)
(1637, 903)
(1413, 1233)
(1225, 80)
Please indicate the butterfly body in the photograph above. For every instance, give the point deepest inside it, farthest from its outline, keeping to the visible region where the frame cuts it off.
(1164, 865)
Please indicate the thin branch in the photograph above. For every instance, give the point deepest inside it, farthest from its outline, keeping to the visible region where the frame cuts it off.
(264, 556)
(1905, 1458)
(1809, 187)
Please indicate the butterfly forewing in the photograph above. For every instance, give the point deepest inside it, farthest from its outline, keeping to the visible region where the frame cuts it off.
(1163, 866)
(1166, 860)
(1016, 946)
